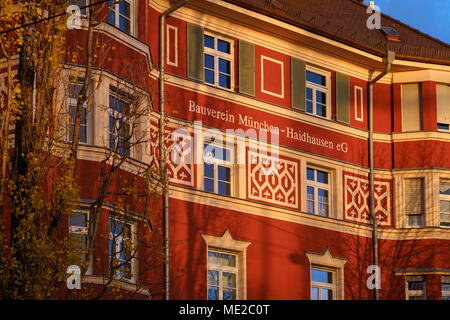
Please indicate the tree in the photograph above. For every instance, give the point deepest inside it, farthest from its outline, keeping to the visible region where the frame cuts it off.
(40, 145)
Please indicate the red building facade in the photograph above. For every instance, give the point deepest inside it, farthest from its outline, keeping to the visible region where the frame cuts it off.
(267, 108)
(303, 231)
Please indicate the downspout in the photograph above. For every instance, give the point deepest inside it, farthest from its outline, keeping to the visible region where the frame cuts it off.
(162, 146)
(389, 59)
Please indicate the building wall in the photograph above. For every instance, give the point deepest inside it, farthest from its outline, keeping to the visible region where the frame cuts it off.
(280, 232)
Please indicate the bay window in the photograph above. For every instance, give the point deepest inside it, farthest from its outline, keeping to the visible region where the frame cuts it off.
(443, 106)
(74, 93)
(78, 237)
(121, 249)
(119, 128)
(120, 15)
(445, 287)
(444, 194)
(415, 202)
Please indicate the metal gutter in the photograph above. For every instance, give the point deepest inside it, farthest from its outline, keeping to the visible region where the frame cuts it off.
(390, 56)
(162, 146)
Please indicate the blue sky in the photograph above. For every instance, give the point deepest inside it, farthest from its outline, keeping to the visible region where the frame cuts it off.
(429, 16)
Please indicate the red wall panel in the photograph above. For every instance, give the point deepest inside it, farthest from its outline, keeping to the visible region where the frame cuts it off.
(429, 106)
(272, 76)
(421, 154)
(382, 108)
(397, 107)
(177, 51)
(354, 122)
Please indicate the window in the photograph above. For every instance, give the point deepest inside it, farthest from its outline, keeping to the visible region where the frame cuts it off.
(445, 286)
(119, 129)
(318, 190)
(120, 15)
(414, 202)
(218, 61)
(226, 267)
(74, 93)
(222, 275)
(323, 285)
(416, 287)
(327, 275)
(443, 106)
(217, 169)
(411, 107)
(78, 234)
(317, 93)
(444, 191)
(121, 249)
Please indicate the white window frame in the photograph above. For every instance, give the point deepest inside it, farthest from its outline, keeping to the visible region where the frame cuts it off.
(318, 185)
(416, 293)
(72, 102)
(315, 87)
(443, 197)
(322, 285)
(219, 54)
(446, 293)
(361, 106)
(132, 225)
(222, 269)
(226, 243)
(216, 163)
(120, 95)
(444, 130)
(83, 231)
(326, 260)
(423, 214)
(117, 15)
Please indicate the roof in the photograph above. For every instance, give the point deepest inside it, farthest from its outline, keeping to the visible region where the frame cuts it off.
(345, 21)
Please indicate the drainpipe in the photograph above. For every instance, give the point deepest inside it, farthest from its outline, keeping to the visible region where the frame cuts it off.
(389, 59)
(162, 131)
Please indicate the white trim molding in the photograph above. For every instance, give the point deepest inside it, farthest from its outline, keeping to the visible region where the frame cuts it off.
(237, 247)
(327, 260)
(175, 30)
(361, 106)
(278, 95)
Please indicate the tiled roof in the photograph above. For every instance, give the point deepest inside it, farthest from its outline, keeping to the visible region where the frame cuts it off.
(345, 21)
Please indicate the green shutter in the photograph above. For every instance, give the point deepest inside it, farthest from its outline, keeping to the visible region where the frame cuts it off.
(342, 97)
(246, 68)
(195, 56)
(298, 84)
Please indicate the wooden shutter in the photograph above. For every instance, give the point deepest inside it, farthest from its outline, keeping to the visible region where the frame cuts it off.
(246, 67)
(414, 196)
(298, 84)
(411, 107)
(195, 55)
(342, 97)
(443, 103)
